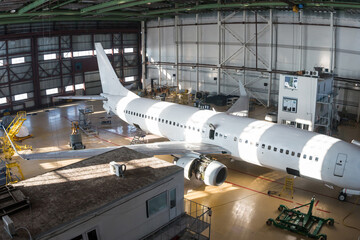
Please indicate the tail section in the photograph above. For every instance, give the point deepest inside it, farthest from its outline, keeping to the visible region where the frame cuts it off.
(109, 81)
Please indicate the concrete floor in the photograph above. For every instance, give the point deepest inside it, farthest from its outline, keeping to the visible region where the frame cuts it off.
(240, 206)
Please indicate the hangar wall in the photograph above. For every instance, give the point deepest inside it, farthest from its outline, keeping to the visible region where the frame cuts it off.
(255, 47)
(41, 60)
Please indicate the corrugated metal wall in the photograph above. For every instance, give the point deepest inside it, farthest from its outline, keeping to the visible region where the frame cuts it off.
(237, 46)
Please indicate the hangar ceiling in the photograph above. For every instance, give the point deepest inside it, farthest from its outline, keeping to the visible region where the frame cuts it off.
(25, 11)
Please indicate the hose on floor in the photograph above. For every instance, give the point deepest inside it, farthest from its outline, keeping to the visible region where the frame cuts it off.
(351, 212)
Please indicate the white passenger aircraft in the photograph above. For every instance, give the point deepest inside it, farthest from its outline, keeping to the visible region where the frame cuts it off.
(193, 133)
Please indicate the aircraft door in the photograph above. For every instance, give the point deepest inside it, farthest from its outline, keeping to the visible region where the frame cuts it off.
(211, 131)
(340, 165)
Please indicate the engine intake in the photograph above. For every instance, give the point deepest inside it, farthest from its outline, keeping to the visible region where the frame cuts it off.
(210, 171)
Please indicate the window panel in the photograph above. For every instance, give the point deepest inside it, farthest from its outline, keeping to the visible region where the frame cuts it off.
(156, 204)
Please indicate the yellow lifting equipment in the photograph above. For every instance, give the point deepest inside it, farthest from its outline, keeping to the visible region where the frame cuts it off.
(10, 147)
(288, 187)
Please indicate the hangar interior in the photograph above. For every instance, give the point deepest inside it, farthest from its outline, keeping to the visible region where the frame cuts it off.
(47, 49)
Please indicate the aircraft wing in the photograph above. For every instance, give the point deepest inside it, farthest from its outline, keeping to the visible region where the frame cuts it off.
(160, 148)
(88, 97)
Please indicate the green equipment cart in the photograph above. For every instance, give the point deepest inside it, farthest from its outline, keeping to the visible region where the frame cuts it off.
(301, 223)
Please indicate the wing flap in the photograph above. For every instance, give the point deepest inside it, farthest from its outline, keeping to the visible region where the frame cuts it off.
(161, 148)
(88, 97)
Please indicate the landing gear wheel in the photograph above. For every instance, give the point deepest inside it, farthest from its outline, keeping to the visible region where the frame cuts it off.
(330, 222)
(322, 238)
(268, 222)
(280, 208)
(342, 196)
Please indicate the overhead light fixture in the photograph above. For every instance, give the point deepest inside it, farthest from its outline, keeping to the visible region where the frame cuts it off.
(13, 11)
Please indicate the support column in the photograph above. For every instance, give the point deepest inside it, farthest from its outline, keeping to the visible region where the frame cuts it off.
(197, 49)
(358, 113)
(332, 53)
(244, 48)
(143, 55)
(219, 51)
(159, 38)
(177, 52)
(35, 71)
(270, 57)
(301, 67)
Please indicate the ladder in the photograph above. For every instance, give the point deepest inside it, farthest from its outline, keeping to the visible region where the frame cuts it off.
(288, 187)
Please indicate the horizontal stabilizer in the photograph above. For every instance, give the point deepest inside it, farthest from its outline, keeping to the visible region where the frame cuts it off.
(88, 97)
(161, 148)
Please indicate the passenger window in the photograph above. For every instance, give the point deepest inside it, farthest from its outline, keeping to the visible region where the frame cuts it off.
(257, 144)
(269, 147)
(193, 128)
(310, 158)
(292, 153)
(181, 126)
(275, 149)
(198, 129)
(159, 119)
(225, 136)
(177, 124)
(220, 135)
(137, 114)
(170, 122)
(240, 140)
(166, 121)
(235, 139)
(287, 151)
(263, 145)
(174, 123)
(304, 156)
(216, 134)
(163, 120)
(152, 118)
(246, 141)
(316, 159)
(189, 127)
(281, 150)
(298, 155)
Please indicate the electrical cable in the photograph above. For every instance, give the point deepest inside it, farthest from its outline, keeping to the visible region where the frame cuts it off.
(26, 231)
(351, 212)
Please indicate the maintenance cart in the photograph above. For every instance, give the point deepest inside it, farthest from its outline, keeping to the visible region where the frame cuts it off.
(301, 223)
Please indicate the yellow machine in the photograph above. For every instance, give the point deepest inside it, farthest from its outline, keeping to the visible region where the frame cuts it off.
(9, 147)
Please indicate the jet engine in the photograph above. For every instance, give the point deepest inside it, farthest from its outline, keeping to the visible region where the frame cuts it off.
(210, 171)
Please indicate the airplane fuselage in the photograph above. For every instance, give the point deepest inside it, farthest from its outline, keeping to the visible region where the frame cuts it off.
(275, 146)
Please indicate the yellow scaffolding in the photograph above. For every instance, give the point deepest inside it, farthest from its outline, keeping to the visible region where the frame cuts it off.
(10, 147)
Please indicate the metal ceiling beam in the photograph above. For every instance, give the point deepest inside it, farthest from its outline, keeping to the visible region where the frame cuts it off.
(218, 6)
(65, 13)
(104, 5)
(63, 18)
(31, 6)
(133, 4)
(39, 14)
(62, 4)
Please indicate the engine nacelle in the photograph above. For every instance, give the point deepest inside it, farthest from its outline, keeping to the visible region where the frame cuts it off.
(211, 172)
